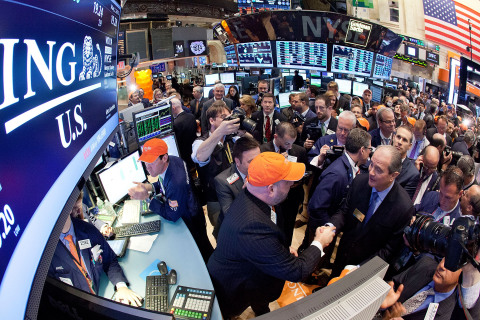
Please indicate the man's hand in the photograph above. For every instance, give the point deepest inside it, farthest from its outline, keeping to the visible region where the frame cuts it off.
(418, 162)
(392, 296)
(324, 235)
(397, 310)
(323, 154)
(294, 252)
(106, 230)
(308, 144)
(229, 127)
(446, 161)
(139, 191)
(127, 296)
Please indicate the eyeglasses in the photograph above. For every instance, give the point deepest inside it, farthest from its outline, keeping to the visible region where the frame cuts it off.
(388, 121)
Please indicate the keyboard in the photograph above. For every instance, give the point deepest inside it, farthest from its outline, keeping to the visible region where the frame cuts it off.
(156, 293)
(137, 229)
(131, 212)
(191, 303)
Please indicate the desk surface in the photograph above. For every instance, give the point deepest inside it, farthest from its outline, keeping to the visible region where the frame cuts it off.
(175, 246)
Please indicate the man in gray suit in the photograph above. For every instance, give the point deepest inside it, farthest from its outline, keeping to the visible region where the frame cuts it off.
(229, 182)
(218, 94)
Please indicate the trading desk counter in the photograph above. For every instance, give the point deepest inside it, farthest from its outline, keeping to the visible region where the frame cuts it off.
(175, 246)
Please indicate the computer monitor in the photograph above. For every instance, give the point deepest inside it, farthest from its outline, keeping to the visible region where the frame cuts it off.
(240, 75)
(211, 78)
(267, 71)
(63, 111)
(317, 82)
(171, 143)
(127, 113)
(358, 88)
(383, 67)
(119, 177)
(154, 121)
(227, 77)
(344, 86)
(302, 55)
(231, 54)
(206, 91)
(249, 84)
(352, 61)
(255, 54)
(274, 85)
(283, 100)
(377, 93)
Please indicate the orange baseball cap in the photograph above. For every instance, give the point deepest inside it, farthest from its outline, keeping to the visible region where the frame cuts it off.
(152, 149)
(270, 167)
(411, 120)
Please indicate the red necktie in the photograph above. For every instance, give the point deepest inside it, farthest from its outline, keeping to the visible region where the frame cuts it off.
(268, 132)
(82, 268)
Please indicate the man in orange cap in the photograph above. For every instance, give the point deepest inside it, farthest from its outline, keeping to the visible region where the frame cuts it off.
(171, 196)
(252, 259)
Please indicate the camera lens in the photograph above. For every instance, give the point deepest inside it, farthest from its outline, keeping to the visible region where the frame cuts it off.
(426, 235)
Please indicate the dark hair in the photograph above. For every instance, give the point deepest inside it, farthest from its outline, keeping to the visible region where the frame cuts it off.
(243, 144)
(467, 165)
(215, 109)
(286, 128)
(314, 90)
(268, 95)
(263, 81)
(356, 139)
(453, 175)
(409, 130)
(303, 96)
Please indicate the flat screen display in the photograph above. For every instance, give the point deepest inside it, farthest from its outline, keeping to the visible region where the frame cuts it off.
(358, 88)
(232, 60)
(433, 57)
(241, 75)
(172, 144)
(411, 51)
(206, 91)
(383, 67)
(283, 100)
(302, 55)
(119, 177)
(59, 104)
(376, 93)
(344, 86)
(211, 78)
(227, 77)
(352, 61)
(179, 48)
(255, 54)
(152, 122)
(316, 82)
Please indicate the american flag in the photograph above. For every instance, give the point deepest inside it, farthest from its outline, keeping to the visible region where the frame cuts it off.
(446, 23)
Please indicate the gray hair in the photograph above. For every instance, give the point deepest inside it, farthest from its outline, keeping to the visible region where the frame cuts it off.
(176, 103)
(198, 89)
(396, 159)
(219, 85)
(380, 113)
(469, 137)
(348, 115)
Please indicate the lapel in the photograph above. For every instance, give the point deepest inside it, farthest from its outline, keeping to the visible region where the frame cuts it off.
(85, 253)
(238, 185)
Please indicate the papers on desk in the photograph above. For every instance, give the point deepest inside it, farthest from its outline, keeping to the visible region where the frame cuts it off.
(142, 243)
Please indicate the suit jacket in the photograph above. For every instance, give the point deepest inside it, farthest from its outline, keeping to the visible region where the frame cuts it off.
(430, 203)
(197, 113)
(408, 177)
(417, 277)
(332, 188)
(185, 128)
(203, 118)
(259, 118)
(63, 265)
(432, 131)
(330, 140)
(382, 235)
(332, 125)
(227, 191)
(343, 103)
(252, 259)
(461, 146)
(376, 137)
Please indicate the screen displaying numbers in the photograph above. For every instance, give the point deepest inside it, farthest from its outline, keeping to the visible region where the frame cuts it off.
(383, 67)
(302, 55)
(352, 60)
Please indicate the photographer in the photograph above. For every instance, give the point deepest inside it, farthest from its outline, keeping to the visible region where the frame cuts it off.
(428, 282)
(212, 152)
(346, 122)
(321, 126)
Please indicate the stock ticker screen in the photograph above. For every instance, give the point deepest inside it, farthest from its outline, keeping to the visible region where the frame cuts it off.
(255, 54)
(153, 122)
(352, 60)
(383, 67)
(302, 55)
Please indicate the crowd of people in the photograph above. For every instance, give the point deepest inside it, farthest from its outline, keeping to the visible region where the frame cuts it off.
(347, 167)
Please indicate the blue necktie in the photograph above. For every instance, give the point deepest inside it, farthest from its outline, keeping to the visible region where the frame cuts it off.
(371, 207)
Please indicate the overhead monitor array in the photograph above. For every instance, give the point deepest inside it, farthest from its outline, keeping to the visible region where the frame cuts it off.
(310, 56)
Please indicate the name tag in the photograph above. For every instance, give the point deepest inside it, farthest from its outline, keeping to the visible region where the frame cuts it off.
(291, 158)
(446, 220)
(234, 177)
(84, 244)
(330, 131)
(359, 215)
(432, 310)
(66, 280)
(277, 122)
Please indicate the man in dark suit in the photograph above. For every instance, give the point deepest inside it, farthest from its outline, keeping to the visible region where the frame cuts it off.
(426, 164)
(230, 182)
(82, 255)
(427, 274)
(318, 127)
(383, 135)
(196, 105)
(444, 205)
(441, 128)
(342, 102)
(467, 165)
(283, 143)
(408, 177)
(252, 259)
(185, 128)
(374, 214)
(367, 101)
(267, 119)
(218, 94)
(465, 144)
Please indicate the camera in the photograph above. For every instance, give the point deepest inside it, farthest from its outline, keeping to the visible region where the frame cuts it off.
(245, 123)
(298, 119)
(260, 99)
(457, 243)
(455, 154)
(313, 131)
